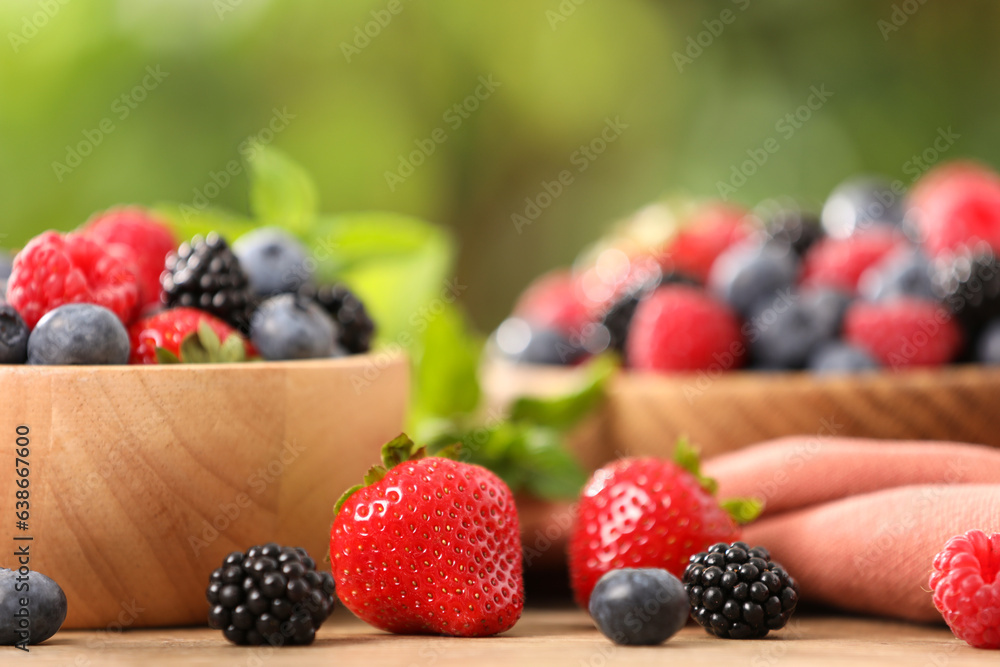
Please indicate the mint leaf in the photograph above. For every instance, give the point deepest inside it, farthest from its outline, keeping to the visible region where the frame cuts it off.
(552, 473)
(565, 412)
(188, 221)
(446, 382)
(281, 192)
(399, 266)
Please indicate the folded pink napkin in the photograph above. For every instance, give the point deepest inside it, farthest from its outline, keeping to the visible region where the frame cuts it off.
(858, 522)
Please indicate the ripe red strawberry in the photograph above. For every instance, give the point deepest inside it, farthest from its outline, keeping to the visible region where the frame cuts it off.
(53, 270)
(682, 328)
(966, 585)
(838, 263)
(707, 233)
(554, 301)
(648, 513)
(957, 204)
(146, 240)
(430, 545)
(168, 330)
(903, 332)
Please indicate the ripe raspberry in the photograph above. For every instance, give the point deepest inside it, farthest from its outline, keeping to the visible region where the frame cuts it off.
(838, 263)
(707, 233)
(169, 328)
(554, 301)
(957, 204)
(681, 328)
(903, 332)
(53, 270)
(146, 240)
(966, 585)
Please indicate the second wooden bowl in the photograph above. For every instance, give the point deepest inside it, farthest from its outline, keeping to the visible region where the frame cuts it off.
(645, 414)
(142, 479)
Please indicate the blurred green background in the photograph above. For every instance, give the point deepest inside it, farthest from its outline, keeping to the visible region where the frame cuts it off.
(85, 125)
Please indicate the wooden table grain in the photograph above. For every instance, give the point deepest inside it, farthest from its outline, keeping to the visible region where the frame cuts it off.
(549, 638)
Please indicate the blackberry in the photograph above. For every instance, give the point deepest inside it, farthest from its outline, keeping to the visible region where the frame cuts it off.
(737, 592)
(269, 594)
(798, 230)
(356, 327)
(969, 283)
(205, 274)
(618, 318)
(13, 336)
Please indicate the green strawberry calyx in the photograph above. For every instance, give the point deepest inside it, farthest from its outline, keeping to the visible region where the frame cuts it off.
(742, 510)
(400, 449)
(204, 347)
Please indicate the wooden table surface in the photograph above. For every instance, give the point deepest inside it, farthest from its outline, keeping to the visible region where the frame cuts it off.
(543, 637)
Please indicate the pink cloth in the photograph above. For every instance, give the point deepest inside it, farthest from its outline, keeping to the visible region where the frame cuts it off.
(858, 522)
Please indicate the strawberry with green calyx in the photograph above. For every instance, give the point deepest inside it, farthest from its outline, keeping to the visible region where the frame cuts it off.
(646, 512)
(186, 335)
(429, 545)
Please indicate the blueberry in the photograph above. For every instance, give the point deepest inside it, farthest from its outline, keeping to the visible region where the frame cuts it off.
(861, 202)
(988, 345)
(753, 276)
(288, 326)
(519, 342)
(639, 606)
(841, 358)
(46, 605)
(13, 336)
(908, 273)
(79, 334)
(785, 335)
(274, 261)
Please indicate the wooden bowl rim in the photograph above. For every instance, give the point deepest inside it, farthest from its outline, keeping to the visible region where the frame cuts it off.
(901, 377)
(352, 362)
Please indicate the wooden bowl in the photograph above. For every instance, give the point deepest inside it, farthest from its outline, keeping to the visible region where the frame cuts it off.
(142, 479)
(645, 413)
